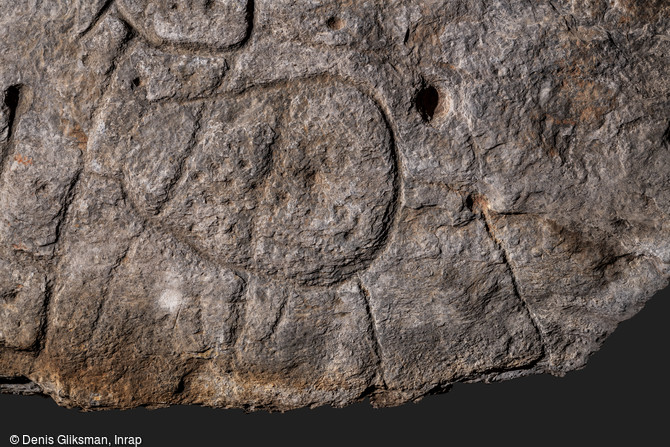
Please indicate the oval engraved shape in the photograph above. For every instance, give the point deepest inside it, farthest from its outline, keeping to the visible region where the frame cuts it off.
(296, 183)
(214, 24)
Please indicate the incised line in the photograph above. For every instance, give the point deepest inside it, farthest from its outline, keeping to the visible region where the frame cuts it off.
(377, 348)
(480, 204)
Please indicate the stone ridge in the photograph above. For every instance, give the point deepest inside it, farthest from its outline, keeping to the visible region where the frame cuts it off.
(275, 204)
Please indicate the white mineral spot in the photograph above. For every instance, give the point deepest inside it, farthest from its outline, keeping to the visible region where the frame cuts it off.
(170, 300)
(96, 166)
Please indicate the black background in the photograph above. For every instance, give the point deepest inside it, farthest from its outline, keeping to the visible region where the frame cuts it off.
(620, 398)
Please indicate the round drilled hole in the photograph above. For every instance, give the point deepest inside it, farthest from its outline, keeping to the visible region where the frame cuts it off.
(427, 101)
(335, 23)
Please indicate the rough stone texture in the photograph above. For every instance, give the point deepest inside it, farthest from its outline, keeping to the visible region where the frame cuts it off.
(277, 203)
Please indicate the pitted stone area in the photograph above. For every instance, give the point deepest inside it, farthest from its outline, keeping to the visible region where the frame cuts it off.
(276, 204)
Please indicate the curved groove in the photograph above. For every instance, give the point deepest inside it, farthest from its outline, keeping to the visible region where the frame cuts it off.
(251, 17)
(367, 91)
(97, 18)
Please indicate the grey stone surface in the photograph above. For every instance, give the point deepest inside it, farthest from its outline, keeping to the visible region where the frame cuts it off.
(274, 204)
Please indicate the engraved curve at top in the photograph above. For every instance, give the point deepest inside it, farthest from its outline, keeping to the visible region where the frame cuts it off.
(210, 24)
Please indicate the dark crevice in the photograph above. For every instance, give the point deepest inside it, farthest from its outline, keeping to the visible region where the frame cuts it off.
(250, 26)
(12, 97)
(469, 202)
(666, 136)
(11, 101)
(19, 385)
(440, 388)
(368, 393)
(181, 386)
(426, 101)
(16, 380)
(9, 296)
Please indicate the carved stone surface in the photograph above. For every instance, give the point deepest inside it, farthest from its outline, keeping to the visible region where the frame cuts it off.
(276, 204)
